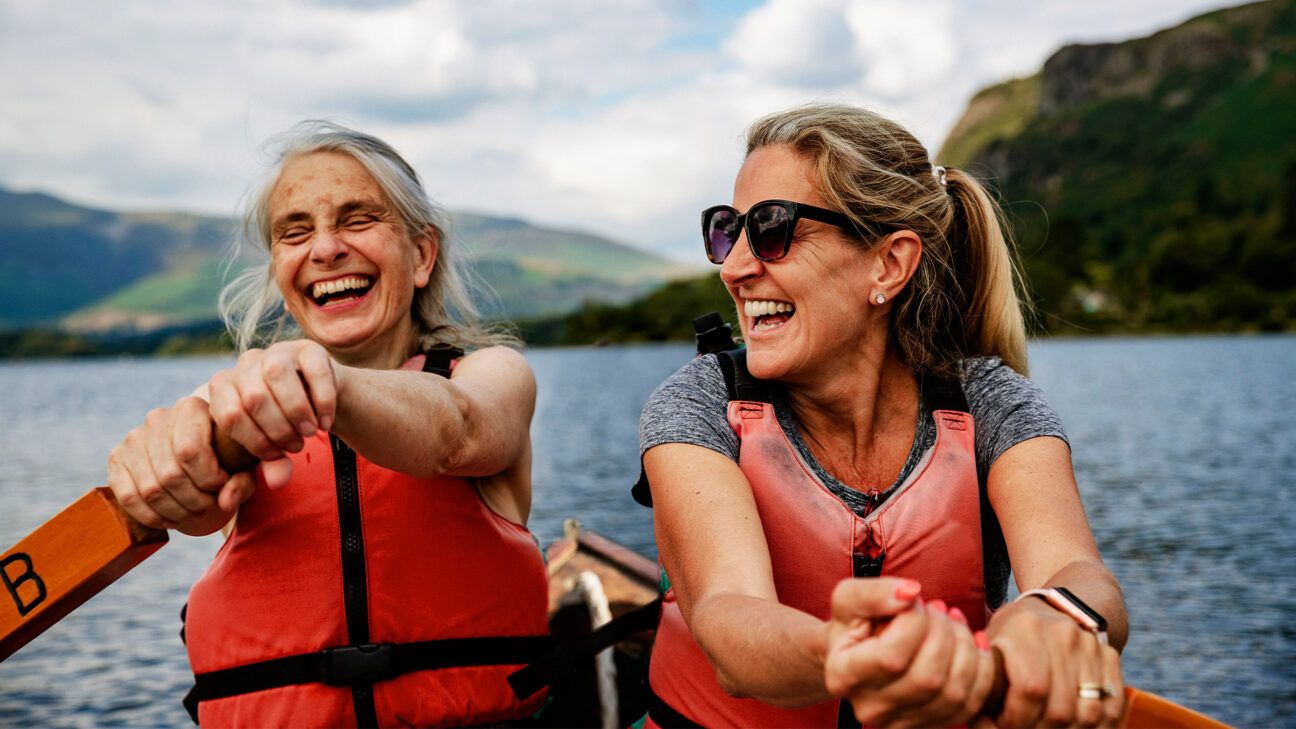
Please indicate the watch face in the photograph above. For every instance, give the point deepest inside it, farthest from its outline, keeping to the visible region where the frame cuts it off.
(1099, 619)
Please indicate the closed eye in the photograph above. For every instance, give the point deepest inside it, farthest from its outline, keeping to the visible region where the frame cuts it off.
(359, 222)
(294, 235)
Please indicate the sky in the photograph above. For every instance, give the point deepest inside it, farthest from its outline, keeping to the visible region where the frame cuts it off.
(622, 119)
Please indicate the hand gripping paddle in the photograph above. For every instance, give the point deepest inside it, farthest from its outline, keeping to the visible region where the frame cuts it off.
(79, 552)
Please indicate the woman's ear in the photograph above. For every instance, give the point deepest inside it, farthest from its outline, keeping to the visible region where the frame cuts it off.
(427, 246)
(898, 255)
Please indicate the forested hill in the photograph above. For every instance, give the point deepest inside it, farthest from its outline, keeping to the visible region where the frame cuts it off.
(89, 270)
(1152, 183)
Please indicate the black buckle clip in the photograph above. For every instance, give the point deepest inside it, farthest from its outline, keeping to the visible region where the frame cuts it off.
(351, 664)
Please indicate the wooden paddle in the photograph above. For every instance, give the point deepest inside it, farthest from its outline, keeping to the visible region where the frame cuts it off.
(79, 552)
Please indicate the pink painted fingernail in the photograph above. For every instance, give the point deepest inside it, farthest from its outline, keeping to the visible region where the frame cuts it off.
(907, 589)
(306, 428)
(957, 615)
(938, 605)
(982, 640)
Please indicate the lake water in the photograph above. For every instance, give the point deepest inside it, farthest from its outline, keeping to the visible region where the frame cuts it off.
(1185, 450)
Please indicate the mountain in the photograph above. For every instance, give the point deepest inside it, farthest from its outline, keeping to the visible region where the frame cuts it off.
(97, 270)
(1152, 183)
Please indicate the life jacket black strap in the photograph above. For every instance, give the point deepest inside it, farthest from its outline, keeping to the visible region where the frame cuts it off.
(943, 394)
(666, 716)
(663, 714)
(567, 658)
(364, 664)
(438, 359)
(739, 381)
(713, 334)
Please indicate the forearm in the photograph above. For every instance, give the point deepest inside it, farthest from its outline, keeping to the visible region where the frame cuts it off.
(402, 420)
(763, 650)
(1091, 581)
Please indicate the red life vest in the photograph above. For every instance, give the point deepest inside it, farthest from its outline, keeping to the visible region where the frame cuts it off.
(929, 529)
(359, 585)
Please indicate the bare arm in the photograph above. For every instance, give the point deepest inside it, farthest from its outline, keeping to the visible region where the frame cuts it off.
(710, 540)
(1032, 488)
(476, 423)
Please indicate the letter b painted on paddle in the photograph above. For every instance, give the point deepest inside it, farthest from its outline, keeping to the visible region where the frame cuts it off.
(14, 580)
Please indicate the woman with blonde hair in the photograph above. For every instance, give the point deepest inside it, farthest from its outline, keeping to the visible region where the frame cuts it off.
(377, 568)
(838, 505)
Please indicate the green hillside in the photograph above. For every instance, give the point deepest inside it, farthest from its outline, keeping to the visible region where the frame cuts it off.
(96, 270)
(1152, 183)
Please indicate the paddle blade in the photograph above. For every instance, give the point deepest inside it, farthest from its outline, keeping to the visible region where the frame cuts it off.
(67, 561)
(1148, 711)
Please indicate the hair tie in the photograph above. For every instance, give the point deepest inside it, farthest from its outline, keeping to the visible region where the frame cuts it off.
(939, 173)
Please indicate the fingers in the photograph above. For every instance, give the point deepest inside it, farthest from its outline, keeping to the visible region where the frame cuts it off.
(230, 416)
(873, 597)
(1030, 676)
(317, 372)
(123, 462)
(971, 673)
(1089, 673)
(235, 491)
(191, 438)
(931, 690)
(277, 473)
(275, 398)
(153, 484)
(862, 663)
(159, 479)
(1113, 676)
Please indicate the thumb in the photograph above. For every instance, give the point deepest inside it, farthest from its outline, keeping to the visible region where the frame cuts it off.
(277, 473)
(235, 491)
(873, 597)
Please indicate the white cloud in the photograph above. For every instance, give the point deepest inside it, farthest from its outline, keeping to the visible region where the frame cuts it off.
(621, 118)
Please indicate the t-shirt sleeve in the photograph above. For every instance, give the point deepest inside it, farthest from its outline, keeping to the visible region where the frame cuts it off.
(1007, 408)
(690, 407)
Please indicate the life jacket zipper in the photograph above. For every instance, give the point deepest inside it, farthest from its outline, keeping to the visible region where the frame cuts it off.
(355, 597)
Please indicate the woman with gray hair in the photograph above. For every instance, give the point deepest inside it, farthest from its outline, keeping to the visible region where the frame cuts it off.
(383, 534)
(838, 504)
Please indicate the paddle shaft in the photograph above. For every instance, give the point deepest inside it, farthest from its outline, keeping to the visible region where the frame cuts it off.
(83, 549)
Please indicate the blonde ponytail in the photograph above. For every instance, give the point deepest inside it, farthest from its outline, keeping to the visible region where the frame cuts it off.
(994, 322)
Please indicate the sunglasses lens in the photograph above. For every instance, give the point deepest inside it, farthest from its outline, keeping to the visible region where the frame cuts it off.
(770, 229)
(721, 233)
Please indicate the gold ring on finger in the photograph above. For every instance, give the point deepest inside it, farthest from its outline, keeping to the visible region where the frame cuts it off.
(1096, 690)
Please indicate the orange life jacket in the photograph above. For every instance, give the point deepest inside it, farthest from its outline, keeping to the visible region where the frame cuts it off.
(356, 595)
(929, 529)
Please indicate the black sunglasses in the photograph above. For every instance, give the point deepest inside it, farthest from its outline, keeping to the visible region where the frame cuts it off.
(769, 225)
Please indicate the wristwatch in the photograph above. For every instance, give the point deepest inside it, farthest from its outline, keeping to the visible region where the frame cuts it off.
(1064, 600)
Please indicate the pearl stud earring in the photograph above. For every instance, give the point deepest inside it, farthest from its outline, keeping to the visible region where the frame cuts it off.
(881, 298)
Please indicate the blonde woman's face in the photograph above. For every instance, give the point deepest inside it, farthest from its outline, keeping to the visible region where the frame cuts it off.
(808, 309)
(343, 260)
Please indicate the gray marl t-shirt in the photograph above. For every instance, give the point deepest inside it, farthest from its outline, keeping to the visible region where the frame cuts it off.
(690, 407)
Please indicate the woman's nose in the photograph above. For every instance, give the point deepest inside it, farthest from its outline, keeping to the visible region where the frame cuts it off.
(327, 248)
(740, 264)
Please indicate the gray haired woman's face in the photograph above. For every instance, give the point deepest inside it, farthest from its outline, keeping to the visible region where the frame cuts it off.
(342, 257)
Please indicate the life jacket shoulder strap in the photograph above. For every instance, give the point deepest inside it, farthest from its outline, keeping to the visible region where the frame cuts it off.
(438, 359)
(739, 381)
(943, 394)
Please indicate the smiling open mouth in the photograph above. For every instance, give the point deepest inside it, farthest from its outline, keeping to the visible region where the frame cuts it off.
(342, 289)
(768, 314)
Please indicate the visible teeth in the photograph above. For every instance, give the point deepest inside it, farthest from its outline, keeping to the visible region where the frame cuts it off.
(765, 308)
(338, 285)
